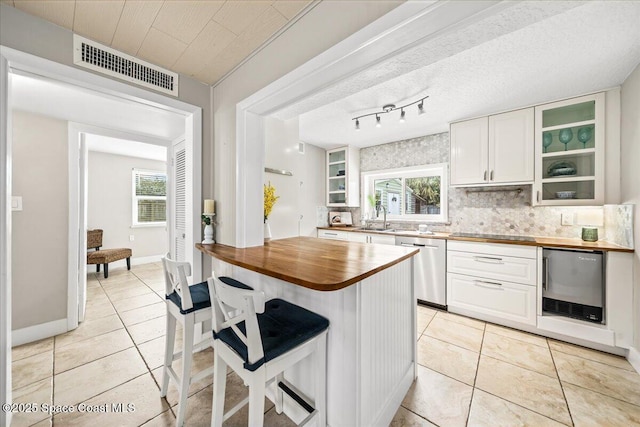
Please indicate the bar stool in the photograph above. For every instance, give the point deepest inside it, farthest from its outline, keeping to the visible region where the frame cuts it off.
(189, 305)
(259, 340)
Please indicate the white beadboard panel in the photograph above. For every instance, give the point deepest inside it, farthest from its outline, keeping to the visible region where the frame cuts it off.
(371, 333)
(387, 339)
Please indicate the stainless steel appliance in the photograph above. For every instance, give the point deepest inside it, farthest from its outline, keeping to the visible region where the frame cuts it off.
(573, 283)
(429, 269)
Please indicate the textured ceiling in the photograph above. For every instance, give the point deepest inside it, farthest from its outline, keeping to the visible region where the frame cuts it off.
(201, 39)
(529, 53)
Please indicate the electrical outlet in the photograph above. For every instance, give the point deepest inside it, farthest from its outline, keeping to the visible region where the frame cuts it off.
(131, 237)
(566, 218)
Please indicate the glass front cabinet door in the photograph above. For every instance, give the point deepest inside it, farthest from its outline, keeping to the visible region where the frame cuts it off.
(569, 145)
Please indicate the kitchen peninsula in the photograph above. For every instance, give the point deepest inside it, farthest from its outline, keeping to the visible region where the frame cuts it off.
(367, 294)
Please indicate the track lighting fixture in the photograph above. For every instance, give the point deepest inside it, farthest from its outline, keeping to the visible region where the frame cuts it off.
(389, 108)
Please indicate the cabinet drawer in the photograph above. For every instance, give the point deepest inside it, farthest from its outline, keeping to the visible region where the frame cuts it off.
(489, 266)
(335, 235)
(509, 301)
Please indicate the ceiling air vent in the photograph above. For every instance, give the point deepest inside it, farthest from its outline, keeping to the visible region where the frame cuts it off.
(97, 57)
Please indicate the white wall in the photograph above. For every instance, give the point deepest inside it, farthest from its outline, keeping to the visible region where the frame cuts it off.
(39, 241)
(294, 214)
(110, 203)
(630, 176)
(304, 40)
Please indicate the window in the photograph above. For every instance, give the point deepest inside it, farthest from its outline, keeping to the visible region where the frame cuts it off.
(149, 198)
(412, 193)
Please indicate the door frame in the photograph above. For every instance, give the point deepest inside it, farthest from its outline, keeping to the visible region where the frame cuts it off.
(15, 59)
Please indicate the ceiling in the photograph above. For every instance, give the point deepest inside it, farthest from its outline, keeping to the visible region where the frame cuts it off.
(201, 39)
(525, 54)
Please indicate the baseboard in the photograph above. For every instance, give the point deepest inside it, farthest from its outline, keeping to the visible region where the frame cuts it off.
(146, 259)
(634, 358)
(38, 332)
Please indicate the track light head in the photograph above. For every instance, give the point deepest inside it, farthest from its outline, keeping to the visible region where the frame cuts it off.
(357, 124)
(402, 115)
(421, 108)
(378, 124)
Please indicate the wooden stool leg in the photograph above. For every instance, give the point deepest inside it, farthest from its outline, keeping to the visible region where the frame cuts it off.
(169, 344)
(256, 398)
(106, 270)
(219, 385)
(128, 263)
(187, 358)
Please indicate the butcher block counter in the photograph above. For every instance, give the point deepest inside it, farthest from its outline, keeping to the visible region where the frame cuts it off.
(366, 292)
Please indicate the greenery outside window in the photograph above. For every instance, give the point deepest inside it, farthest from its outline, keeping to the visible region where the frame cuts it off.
(149, 198)
(413, 193)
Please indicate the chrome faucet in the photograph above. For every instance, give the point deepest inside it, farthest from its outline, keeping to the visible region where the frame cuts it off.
(384, 214)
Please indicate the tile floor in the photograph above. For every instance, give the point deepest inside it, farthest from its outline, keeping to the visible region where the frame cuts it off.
(470, 373)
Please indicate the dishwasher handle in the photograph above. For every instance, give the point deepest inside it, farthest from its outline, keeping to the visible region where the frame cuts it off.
(545, 273)
(421, 245)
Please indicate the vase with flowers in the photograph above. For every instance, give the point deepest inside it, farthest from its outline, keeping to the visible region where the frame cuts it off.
(270, 199)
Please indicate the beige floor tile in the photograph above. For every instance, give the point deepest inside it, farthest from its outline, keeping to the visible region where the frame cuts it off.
(138, 406)
(85, 351)
(130, 292)
(153, 351)
(142, 314)
(156, 285)
(86, 381)
(426, 310)
(95, 292)
(136, 302)
(147, 331)
(34, 395)
(615, 382)
(448, 359)
(406, 418)
(121, 283)
(589, 408)
(44, 423)
(491, 411)
(518, 335)
(595, 355)
(474, 323)
(166, 419)
(423, 319)
(201, 360)
(99, 309)
(31, 349)
(115, 275)
(455, 333)
(31, 369)
(439, 399)
(520, 353)
(89, 328)
(524, 387)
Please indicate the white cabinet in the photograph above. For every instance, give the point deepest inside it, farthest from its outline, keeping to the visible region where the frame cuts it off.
(343, 177)
(334, 235)
(373, 238)
(496, 282)
(569, 149)
(493, 150)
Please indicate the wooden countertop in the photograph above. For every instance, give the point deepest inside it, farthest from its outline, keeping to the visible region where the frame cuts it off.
(557, 242)
(319, 264)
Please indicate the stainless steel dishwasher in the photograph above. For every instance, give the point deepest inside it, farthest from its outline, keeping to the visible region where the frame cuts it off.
(429, 269)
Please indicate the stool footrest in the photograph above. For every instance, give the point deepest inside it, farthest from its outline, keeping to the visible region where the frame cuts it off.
(295, 396)
(235, 409)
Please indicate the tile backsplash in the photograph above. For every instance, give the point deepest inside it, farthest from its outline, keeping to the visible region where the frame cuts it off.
(484, 210)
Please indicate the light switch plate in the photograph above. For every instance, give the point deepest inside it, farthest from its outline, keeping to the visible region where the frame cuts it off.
(566, 218)
(16, 203)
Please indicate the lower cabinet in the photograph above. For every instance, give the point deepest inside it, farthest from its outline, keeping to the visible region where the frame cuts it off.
(506, 300)
(333, 235)
(357, 237)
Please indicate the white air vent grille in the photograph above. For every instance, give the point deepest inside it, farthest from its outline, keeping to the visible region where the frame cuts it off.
(97, 57)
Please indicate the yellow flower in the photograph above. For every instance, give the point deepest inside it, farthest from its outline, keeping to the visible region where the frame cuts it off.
(270, 199)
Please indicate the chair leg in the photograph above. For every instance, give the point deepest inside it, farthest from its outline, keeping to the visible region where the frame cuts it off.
(187, 358)
(106, 270)
(97, 268)
(168, 352)
(256, 398)
(219, 385)
(321, 380)
(279, 394)
(128, 263)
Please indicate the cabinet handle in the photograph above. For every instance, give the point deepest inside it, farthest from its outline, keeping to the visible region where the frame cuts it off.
(488, 259)
(491, 176)
(490, 285)
(330, 234)
(545, 273)
(485, 176)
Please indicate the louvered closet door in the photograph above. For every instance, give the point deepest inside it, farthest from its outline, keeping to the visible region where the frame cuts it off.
(179, 172)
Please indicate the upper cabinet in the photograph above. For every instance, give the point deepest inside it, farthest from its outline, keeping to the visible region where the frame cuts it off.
(493, 150)
(569, 144)
(343, 177)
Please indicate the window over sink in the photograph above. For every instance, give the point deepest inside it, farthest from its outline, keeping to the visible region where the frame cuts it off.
(412, 193)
